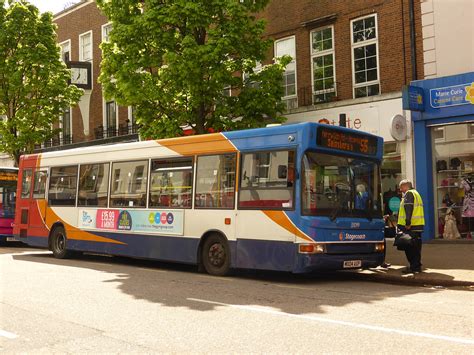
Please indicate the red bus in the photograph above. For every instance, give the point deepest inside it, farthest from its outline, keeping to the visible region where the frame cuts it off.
(8, 182)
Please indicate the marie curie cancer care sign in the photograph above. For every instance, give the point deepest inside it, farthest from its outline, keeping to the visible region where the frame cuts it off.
(151, 221)
(452, 96)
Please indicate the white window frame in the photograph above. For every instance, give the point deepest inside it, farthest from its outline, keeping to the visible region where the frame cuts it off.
(62, 45)
(322, 54)
(289, 98)
(363, 44)
(104, 114)
(81, 52)
(105, 38)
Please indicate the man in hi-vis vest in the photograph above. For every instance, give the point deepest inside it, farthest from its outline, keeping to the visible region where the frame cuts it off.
(411, 220)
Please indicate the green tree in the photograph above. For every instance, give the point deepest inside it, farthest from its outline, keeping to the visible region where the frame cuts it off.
(173, 61)
(33, 79)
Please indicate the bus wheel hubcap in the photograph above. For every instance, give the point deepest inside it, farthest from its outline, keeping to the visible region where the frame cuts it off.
(217, 254)
(61, 242)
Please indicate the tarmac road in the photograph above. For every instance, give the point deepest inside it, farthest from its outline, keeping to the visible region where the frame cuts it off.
(100, 304)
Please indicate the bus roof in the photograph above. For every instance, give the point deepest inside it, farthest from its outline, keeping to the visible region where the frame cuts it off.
(241, 140)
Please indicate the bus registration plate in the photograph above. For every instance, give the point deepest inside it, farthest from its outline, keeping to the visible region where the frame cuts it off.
(352, 264)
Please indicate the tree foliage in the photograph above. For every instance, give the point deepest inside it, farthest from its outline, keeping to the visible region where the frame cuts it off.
(33, 80)
(174, 59)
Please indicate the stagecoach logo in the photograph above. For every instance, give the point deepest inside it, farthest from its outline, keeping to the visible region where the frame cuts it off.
(124, 221)
(349, 236)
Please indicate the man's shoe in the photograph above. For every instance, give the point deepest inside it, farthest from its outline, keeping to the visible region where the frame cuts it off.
(407, 270)
(386, 265)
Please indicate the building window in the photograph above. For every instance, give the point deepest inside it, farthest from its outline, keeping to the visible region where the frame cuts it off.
(85, 46)
(106, 32)
(247, 79)
(66, 126)
(471, 130)
(365, 57)
(323, 64)
(283, 47)
(111, 118)
(65, 51)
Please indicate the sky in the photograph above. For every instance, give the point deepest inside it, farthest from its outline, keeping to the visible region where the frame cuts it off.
(52, 5)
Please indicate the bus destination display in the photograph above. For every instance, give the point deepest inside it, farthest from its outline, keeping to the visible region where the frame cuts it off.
(346, 141)
(8, 176)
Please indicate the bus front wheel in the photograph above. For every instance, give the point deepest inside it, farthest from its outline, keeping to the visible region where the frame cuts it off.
(216, 255)
(59, 243)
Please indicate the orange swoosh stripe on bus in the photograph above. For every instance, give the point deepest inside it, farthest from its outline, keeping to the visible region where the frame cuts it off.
(79, 234)
(200, 144)
(280, 218)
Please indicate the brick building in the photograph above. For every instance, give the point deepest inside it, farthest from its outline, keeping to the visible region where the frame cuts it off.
(80, 30)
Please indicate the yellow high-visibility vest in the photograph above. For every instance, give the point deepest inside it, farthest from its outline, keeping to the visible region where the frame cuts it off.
(418, 216)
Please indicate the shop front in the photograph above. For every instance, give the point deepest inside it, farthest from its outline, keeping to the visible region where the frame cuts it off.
(443, 122)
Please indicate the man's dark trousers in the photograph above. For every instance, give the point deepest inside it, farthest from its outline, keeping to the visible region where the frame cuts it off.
(413, 252)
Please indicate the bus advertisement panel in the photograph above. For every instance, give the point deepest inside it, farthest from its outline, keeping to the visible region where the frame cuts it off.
(8, 181)
(296, 198)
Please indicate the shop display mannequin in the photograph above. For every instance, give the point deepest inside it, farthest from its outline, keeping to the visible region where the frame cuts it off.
(468, 204)
(450, 226)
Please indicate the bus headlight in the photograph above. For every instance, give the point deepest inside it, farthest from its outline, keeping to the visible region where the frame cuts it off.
(379, 247)
(312, 248)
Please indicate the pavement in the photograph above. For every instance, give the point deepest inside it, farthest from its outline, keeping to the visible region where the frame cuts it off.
(445, 264)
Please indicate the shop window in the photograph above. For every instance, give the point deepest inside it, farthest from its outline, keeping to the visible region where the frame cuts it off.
(26, 183)
(62, 186)
(171, 183)
(93, 185)
(454, 180)
(39, 186)
(215, 181)
(267, 180)
(129, 184)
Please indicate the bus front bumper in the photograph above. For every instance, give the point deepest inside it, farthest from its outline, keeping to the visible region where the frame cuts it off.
(306, 263)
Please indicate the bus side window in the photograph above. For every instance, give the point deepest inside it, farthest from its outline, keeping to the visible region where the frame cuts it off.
(129, 185)
(171, 184)
(62, 186)
(26, 183)
(267, 180)
(93, 185)
(39, 184)
(215, 181)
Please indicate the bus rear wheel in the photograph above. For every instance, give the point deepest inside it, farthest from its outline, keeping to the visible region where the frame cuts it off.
(59, 243)
(216, 255)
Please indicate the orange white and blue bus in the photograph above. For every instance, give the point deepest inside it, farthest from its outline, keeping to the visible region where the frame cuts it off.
(8, 181)
(297, 198)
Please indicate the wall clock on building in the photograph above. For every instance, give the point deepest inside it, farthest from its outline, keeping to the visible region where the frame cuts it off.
(81, 74)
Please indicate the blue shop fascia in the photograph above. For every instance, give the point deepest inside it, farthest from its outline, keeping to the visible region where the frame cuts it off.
(443, 136)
